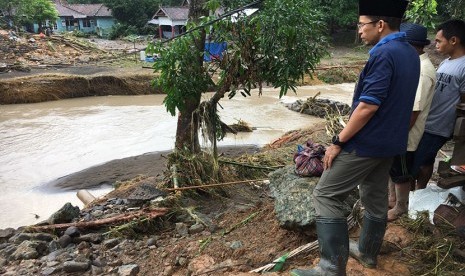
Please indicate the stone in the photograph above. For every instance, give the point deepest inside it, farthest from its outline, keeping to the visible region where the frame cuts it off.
(72, 266)
(72, 231)
(6, 233)
(151, 242)
(50, 270)
(110, 243)
(236, 244)
(200, 264)
(181, 229)
(94, 238)
(96, 270)
(196, 228)
(65, 240)
(66, 214)
(143, 193)
(128, 270)
(294, 200)
(43, 237)
(26, 250)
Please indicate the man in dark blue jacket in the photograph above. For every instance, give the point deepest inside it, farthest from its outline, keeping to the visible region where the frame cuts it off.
(361, 155)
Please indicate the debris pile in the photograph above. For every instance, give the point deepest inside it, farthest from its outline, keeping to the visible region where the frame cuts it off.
(35, 51)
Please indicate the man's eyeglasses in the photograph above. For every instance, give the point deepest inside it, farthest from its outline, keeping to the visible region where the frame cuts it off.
(361, 25)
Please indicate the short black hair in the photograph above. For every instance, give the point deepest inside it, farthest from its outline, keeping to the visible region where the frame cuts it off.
(393, 22)
(453, 27)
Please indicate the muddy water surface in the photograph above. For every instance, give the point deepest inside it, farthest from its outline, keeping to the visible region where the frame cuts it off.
(42, 142)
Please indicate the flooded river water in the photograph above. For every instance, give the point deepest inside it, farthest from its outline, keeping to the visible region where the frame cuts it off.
(42, 142)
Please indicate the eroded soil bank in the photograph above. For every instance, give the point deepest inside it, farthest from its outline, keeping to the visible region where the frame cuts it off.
(50, 87)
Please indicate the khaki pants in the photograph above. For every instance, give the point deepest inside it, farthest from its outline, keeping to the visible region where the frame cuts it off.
(348, 171)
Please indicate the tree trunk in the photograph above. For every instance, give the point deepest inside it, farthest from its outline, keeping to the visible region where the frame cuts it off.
(187, 128)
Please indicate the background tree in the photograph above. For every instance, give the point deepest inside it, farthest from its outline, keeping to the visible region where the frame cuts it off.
(30, 11)
(38, 11)
(338, 14)
(277, 45)
(451, 9)
(422, 12)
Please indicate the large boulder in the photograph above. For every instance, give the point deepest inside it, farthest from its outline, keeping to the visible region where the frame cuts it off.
(294, 201)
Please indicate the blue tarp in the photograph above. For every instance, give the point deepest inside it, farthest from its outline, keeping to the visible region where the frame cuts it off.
(214, 50)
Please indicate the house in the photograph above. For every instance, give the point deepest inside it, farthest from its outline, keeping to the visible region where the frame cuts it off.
(87, 18)
(171, 21)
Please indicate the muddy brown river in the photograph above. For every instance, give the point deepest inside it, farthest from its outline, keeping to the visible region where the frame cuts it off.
(45, 141)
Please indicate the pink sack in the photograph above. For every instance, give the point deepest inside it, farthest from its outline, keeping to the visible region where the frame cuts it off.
(308, 159)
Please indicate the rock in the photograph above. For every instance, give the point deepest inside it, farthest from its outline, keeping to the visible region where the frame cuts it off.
(200, 264)
(29, 250)
(53, 246)
(96, 270)
(196, 228)
(6, 233)
(110, 243)
(43, 237)
(50, 270)
(181, 229)
(151, 242)
(143, 193)
(72, 266)
(181, 261)
(66, 214)
(3, 67)
(128, 270)
(293, 198)
(8, 251)
(20, 237)
(3, 262)
(65, 240)
(236, 244)
(94, 238)
(72, 231)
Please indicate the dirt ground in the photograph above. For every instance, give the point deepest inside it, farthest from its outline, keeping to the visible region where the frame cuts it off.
(247, 235)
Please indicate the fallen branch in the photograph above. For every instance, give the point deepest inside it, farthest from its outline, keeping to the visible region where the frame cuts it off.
(213, 185)
(249, 166)
(153, 213)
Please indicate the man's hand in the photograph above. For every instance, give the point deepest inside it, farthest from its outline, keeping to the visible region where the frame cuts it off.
(331, 153)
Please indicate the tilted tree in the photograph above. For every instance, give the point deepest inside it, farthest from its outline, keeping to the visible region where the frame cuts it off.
(277, 45)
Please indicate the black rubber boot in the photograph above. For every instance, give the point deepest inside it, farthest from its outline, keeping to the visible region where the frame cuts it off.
(333, 241)
(370, 241)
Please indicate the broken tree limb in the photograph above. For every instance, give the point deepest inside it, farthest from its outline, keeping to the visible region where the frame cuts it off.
(153, 213)
(214, 185)
(249, 166)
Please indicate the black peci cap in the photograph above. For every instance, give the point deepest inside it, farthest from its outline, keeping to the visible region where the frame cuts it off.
(389, 8)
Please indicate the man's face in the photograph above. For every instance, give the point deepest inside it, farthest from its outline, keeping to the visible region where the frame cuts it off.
(443, 44)
(368, 30)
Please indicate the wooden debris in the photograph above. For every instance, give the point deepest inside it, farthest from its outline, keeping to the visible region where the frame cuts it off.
(152, 213)
(215, 185)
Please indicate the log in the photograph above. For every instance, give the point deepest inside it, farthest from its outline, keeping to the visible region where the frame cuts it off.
(450, 182)
(153, 213)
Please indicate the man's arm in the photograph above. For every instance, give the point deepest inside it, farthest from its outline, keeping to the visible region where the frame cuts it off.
(413, 118)
(359, 118)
